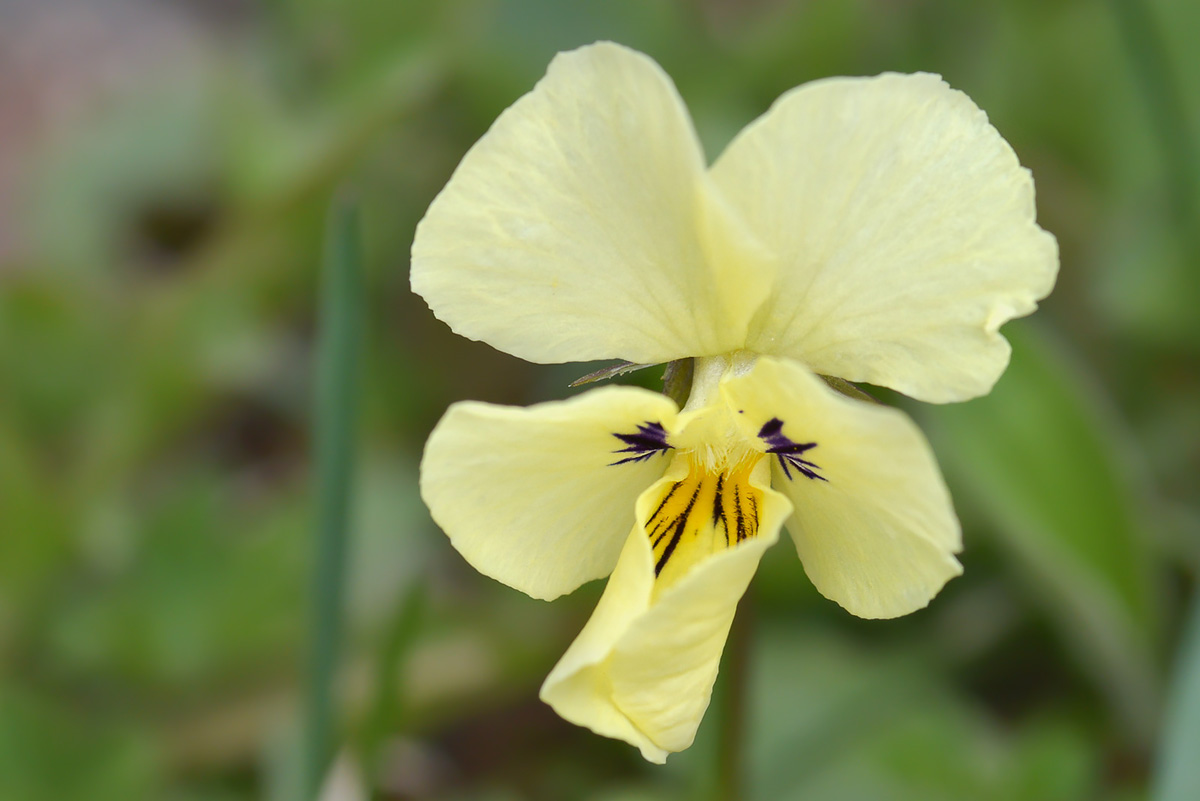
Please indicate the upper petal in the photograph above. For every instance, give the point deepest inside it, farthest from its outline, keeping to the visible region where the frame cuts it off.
(533, 496)
(873, 521)
(643, 668)
(905, 231)
(583, 225)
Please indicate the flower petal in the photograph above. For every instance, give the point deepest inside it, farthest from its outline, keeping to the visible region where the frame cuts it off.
(905, 230)
(584, 225)
(533, 496)
(873, 521)
(643, 668)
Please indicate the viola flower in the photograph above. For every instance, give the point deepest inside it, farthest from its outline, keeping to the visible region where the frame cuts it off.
(870, 229)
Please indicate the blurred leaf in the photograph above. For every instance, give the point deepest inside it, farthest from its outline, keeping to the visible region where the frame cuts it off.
(54, 355)
(392, 548)
(1053, 763)
(634, 793)
(340, 40)
(1052, 472)
(36, 529)
(837, 721)
(282, 763)
(92, 185)
(50, 752)
(385, 714)
(1167, 109)
(280, 159)
(1177, 777)
(815, 701)
(211, 593)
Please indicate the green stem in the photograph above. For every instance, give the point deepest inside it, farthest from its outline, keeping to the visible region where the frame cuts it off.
(735, 684)
(337, 373)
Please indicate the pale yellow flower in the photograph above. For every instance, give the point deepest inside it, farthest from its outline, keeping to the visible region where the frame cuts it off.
(873, 229)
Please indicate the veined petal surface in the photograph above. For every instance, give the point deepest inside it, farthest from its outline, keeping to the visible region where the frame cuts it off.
(533, 496)
(643, 668)
(572, 230)
(876, 531)
(905, 230)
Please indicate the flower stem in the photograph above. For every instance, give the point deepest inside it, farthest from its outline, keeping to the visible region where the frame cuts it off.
(337, 368)
(735, 684)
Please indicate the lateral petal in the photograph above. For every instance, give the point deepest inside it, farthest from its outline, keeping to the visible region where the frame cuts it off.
(540, 498)
(643, 668)
(583, 225)
(905, 230)
(873, 522)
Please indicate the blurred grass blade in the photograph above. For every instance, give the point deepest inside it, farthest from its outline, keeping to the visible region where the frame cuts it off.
(1177, 774)
(386, 712)
(337, 373)
(1046, 468)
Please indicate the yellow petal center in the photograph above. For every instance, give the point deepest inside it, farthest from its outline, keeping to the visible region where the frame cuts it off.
(708, 510)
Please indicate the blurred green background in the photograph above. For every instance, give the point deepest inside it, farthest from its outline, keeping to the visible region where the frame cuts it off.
(165, 170)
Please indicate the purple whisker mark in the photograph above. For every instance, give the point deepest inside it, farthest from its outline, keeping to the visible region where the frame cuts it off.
(651, 438)
(790, 454)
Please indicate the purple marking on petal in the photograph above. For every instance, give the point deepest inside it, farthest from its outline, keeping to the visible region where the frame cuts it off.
(651, 438)
(790, 453)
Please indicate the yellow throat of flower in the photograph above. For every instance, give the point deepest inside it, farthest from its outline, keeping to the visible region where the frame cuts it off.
(706, 511)
(707, 501)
